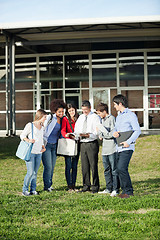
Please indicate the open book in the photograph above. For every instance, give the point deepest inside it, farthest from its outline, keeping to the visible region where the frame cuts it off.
(73, 135)
(77, 136)
(70, 134)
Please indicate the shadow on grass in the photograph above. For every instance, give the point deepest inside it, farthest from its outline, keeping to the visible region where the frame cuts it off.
(150, 186)
(4, 156)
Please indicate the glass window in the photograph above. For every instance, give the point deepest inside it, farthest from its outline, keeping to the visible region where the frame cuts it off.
(47, 98)
(76, 72)
(154, 107)
(104, 70)
(154, 119)
(131, 69)
(2, 121)
(113, 92)
(100, 96)
(51, 72)
(51, 77)
(25, 73)
(153, 64)
(2, 76)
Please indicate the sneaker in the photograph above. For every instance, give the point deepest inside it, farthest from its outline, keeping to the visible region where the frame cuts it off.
(50, 189)
(71, 190)
(34, 193)
(105, 191)
(114, 194)
(26, 193)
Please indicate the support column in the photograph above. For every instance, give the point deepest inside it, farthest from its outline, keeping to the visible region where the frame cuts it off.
(12, 125)
(90, 81)
(7, 88)
(38, 84)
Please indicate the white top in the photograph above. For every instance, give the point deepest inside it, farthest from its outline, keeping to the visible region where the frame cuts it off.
(37, 136)
(93, 121)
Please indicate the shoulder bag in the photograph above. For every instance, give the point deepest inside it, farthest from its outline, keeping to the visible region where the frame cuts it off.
(24, 148)
(66, 146)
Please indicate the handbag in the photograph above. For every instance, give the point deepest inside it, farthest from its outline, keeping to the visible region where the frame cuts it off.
(24, 148)
(67, 147)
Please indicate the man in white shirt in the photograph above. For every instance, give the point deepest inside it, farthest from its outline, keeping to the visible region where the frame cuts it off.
(86, 128)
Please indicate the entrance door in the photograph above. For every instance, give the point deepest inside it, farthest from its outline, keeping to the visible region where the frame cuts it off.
(101, 95)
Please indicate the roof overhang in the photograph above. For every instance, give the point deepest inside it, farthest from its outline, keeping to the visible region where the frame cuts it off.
(83, 30)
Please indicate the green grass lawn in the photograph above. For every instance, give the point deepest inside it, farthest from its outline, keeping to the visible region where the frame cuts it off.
(64, 215)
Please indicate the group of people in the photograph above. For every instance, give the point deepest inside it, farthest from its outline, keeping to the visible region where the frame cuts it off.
(89, 127)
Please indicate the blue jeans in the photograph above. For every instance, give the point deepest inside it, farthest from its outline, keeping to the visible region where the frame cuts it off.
(122, 169)
(49, 161)
(110, 172)
(71, 169)
(32, 169)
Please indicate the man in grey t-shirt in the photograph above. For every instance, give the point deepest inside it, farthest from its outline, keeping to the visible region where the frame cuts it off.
(108, 150)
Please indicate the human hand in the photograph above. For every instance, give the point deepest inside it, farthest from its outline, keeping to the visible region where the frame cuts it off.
(43, 149)
(84, 135)
(72, 136)
(116, 134)
(125, 144)
(31, 141)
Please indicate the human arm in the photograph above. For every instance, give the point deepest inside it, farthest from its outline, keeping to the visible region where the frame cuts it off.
(43, 149)
(26, 131)
(134, 127)
(64, 127)
(94, 122)
(106, 129)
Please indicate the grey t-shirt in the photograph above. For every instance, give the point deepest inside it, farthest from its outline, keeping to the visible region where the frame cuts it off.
(105, 132)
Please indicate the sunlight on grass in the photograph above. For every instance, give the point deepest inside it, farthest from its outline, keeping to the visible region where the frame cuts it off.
(64, 215)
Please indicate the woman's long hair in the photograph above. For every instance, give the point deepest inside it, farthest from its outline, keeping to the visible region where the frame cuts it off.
(39, 114)
(69, 105)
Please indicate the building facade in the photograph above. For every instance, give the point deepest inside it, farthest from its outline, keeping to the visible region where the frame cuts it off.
(78, 61)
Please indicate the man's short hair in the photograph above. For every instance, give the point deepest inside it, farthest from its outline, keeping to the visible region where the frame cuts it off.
(102, 107)
(86, 103)
(120, 99)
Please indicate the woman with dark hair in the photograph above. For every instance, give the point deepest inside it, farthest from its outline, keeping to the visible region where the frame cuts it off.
(68, 124)
(51, 136)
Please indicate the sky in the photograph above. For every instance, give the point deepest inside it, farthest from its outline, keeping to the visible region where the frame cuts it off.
(39, 10)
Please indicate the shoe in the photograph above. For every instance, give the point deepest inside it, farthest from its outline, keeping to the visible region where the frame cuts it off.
(105, 191)
(26, 193)
(34, 193)
(93, 192)
(50, 189)
(125, 195)
(113, 194)
(71, 190)
(84, 190)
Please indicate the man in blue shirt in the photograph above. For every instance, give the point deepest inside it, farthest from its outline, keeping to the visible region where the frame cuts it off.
(125, 121)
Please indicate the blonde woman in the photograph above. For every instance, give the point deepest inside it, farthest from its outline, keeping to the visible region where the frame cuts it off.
(36, 153)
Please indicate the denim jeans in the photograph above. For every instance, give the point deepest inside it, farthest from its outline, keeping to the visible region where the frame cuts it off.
(122, 169)
(71, 169)
(110, 172)
(49, 161)
(32, 169)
